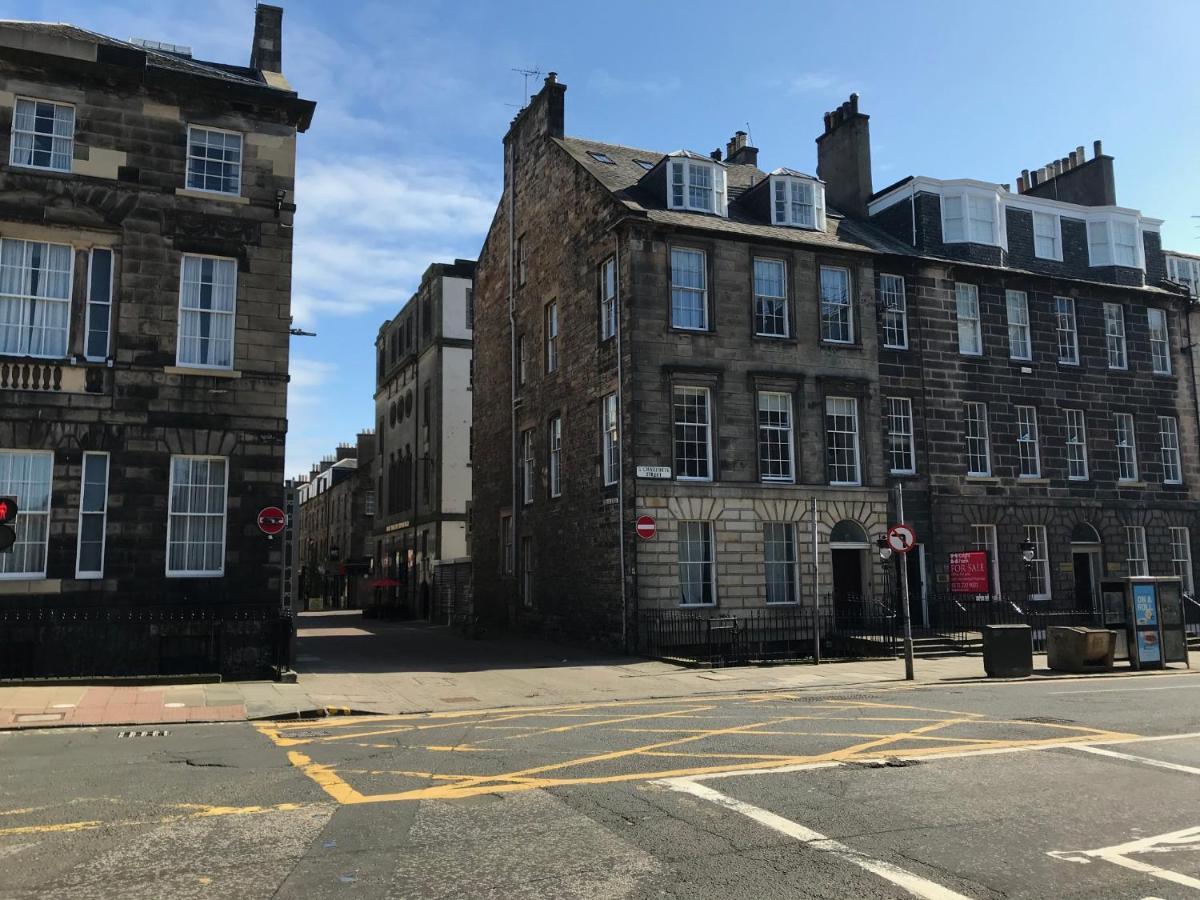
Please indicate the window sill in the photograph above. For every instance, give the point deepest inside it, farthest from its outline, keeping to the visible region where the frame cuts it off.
(1121, 485)
(697, 606)
(1032, 479)
(195, 370)
(983, 479)
(30, 584)
(212, 195)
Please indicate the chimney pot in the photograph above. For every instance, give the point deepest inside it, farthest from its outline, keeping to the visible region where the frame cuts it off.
(716, 154)
(1080, 155)
(551, 78)
(1072, 160)
(854, 103)
(1098, 147)
(1021, 184)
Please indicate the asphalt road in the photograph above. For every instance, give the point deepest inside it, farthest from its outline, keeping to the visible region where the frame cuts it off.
(1064, 789)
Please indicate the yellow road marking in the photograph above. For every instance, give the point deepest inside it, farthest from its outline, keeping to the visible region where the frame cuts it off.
(199, 812)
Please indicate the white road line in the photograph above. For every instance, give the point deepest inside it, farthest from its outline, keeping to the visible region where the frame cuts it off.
(1173, 687)
(1186, 838)
(1144, 760)
(913, 884)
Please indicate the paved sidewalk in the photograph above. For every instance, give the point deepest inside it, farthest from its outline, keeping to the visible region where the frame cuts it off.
(349, 664)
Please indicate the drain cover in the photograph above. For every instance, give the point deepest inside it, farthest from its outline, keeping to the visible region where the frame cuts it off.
(1046, 720)
(154, 733)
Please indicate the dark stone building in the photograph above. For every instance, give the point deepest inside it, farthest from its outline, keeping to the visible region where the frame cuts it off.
(336, 507)
(683, 336)
(1037, 378)
(424, 377)
(146, 204)
(758, 360)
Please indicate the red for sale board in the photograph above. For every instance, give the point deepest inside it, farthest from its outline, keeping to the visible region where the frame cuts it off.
(969, 572)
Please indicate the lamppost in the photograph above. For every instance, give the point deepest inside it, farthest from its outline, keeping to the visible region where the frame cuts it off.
(1028, 551)
(885, 553)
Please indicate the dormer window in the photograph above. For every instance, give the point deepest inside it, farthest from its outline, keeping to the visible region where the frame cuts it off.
(645, 164)
(1186, 271)
(1113, 241)
(601, 157)
(971, 217)
(696, 185)
(797, 201)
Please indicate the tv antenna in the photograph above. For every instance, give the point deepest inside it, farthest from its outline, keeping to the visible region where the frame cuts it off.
(527, 73)
(299, 332)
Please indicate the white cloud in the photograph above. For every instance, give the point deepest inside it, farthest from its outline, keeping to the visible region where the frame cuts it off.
(820, 83)
(601, 81)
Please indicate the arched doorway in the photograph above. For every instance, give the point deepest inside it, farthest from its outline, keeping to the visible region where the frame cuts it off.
(848, 546)
(1087, 554)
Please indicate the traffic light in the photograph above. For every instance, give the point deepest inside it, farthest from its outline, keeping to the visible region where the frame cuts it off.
(8, 514)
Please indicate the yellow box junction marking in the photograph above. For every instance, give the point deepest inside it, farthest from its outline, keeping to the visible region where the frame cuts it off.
(924, 727)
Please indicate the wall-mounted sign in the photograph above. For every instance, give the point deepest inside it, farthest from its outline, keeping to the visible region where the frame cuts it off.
(398, 526)
(969, 572)
(646, 528)
(654, 472)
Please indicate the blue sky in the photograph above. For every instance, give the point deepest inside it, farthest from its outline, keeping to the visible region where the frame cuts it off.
(402, 165)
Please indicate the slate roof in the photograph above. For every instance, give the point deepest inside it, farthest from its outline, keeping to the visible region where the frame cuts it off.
(158, 59)
(622, 177)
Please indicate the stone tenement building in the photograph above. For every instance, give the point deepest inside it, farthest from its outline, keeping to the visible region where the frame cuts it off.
(423, 387)
(756, 359)
(1037, 376)
(146, 204)
(336, 517)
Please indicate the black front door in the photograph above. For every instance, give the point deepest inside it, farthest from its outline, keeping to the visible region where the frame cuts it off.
(847, 577)
(1084, 588)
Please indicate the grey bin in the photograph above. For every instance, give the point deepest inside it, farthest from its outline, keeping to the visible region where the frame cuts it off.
(1007, 651)
(1074, 649)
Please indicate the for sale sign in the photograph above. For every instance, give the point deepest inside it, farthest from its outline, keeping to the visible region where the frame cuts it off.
(969, 572)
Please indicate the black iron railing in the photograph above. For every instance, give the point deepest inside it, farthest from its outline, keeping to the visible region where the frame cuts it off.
(961, 618)
(720, 637)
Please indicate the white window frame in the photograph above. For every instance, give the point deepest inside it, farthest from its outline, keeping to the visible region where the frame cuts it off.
(985, 538)
(197, 573)
(102, 513)
(1076, 439)
(680, 190)
(1040, 564)
(1137, 560)
(1181, 558)
(1115, 348)
(231, 313)
(54, 137)
(762, 297)
(1168, 440)
(778, 423)
(528, 468)
(895, 312)
(1160, 340)
(971, 408)
(707, 563)
(781, 535)
(550, 327)
(692, 391)
(610, 438)
(28, 516)
(187, 173)
(1066, 330)
(835, 310)
(964, 227)
(97, 308)
(968, 319)
(1029, 455)
(26, 300)
(1186, 271)
(1105, 247)
(1047, 246)
(791, 196)
(900, 435)
(608, 298)
(1020, 337)
(555, 456)
(689, 292)
(1125, 442)
(831, 447)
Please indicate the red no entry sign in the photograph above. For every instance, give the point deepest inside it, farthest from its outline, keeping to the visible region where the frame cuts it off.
(271, 520)
(646, 529)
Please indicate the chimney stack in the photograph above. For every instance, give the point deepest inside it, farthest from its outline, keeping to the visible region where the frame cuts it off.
(716, 154)
(738, 152)
(844, 159)
(266, 54)
(1074, 179)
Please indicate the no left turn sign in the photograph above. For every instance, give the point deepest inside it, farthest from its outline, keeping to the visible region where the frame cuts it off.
(901, 538)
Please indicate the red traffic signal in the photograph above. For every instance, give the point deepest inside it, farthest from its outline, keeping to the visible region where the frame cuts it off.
(8, 509)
